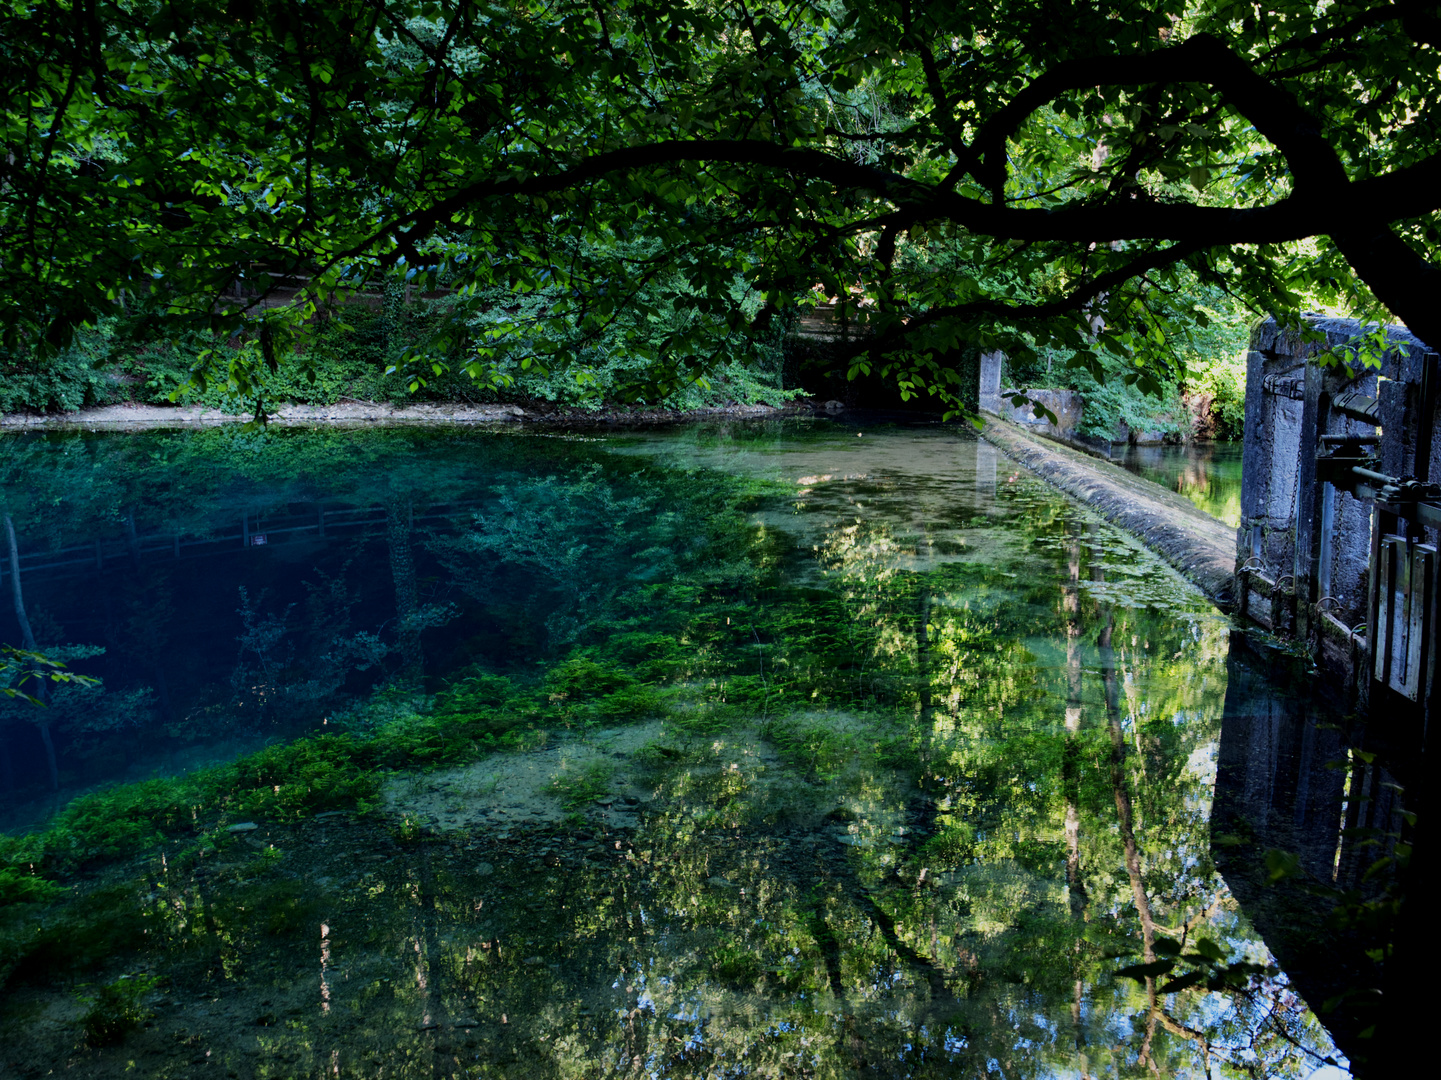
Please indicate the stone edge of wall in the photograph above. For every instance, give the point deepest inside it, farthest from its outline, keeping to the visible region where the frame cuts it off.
(1197, 545)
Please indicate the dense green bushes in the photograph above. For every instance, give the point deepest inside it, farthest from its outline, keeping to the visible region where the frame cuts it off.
(82, 375)
(354, 353)
(1225, 382)
(1207, 358)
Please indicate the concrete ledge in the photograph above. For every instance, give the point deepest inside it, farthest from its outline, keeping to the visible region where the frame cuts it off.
(1202, 548)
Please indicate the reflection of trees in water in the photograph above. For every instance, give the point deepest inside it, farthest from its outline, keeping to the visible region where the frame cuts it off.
(1013, 796)
(1209, 475)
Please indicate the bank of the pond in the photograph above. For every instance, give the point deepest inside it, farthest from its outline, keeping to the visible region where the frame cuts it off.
(134, 415)
(1198, 545)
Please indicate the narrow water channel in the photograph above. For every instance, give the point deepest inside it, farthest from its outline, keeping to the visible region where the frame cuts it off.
(768, 749)
(1209, 474)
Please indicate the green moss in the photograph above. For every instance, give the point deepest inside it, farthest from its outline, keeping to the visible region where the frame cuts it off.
(24, 886)
(629, 703)
(816, 747)
(660, 755)
(582, 679)
(318, 773)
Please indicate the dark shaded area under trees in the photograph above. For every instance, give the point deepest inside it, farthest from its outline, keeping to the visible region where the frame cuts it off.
(1017, 176)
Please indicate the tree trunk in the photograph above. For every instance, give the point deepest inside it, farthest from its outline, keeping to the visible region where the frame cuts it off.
(1070, 761)
(27, 639)
(923, 683)
(44, 727)
(1125, 817)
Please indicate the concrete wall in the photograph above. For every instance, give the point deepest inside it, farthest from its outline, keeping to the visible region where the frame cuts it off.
(1067, 405)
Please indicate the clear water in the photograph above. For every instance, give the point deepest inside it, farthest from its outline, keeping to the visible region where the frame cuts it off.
(1209, 474)
(789, 749)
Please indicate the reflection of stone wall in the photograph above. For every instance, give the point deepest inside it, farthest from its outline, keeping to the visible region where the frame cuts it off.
(1068, 406)
(1281, 788)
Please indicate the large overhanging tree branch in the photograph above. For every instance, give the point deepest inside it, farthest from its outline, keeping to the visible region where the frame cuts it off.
(990, 169)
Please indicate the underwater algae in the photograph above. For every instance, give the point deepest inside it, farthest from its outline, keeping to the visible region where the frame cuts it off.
(737, 751)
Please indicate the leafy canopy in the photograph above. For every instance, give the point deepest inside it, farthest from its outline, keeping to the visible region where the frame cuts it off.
(1015, 174)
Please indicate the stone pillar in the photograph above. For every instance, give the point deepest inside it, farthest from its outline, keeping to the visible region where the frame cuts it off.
(1255, 472)
(991, 365)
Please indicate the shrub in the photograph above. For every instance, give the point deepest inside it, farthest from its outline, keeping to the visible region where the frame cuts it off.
(80, 375)
(735, 964)
(117, 1009)
(1225, 381)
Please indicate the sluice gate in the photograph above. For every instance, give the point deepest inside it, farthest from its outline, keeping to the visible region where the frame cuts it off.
(1340, 516)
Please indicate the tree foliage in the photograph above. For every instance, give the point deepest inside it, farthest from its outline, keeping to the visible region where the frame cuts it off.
(954, 172)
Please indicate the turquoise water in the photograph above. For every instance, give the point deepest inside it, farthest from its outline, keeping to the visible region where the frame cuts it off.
(773, 749)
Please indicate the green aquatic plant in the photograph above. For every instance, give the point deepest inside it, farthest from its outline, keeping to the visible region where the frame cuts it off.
(893, 849)
(578, 787)
(117, 1008)
(581, 678)
(22, 886)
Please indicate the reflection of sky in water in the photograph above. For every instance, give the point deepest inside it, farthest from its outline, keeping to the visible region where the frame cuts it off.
(877, 878)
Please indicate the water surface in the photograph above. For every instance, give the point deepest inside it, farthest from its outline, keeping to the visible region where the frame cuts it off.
(1209, 474)
(773, 749)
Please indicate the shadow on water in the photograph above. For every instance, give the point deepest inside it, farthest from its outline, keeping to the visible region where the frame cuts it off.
(1305, 828)
(783, 749)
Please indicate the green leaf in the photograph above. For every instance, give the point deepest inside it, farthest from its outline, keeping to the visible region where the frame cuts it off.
(1281, 865)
